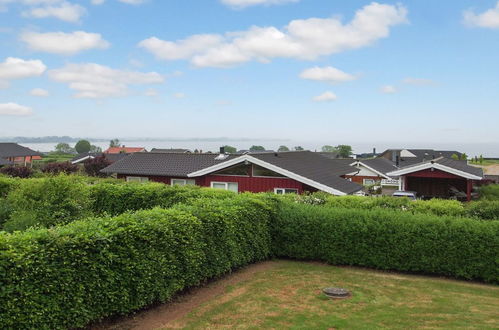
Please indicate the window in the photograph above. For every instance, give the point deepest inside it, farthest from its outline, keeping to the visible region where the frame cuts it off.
(262, 171)
(369, 182)
(231, 186)
(239, 170)
(283, 191)
(137, 179)
(183, 182)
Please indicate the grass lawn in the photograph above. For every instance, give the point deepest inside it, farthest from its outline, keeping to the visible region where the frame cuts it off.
(288, 295)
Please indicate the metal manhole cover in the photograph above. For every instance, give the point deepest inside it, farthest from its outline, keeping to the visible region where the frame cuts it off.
(337, 293)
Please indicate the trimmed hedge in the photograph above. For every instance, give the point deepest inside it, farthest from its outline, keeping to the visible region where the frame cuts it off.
(7, 185)
(489, 192)
(114, 199)
(383, 239)
(70, 275)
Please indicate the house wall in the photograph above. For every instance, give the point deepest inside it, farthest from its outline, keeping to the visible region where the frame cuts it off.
(360, 178)
(245, 183)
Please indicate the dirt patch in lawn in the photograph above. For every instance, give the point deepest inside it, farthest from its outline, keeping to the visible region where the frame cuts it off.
(163, 315)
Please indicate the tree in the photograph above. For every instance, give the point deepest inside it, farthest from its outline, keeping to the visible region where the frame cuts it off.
(344, 151)
(481, 159)
(283, 148)
(63, 148)
(82, 146)
(230, 149)
(93, 166)
(58, 168)
(455, 157)
(95, 149)
(464, 156)
(114, 143)
(299, 148)
(327, 148)
(257, 148)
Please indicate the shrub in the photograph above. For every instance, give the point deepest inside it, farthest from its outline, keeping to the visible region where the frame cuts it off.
(17, 171)
(94, 166)
(6, 185)
(5, 211)
(47, 202)
(70, 275)
(489, 192)
(115, 199)
(487, 209)
(58, 168)
(384, 239)
(440, 207)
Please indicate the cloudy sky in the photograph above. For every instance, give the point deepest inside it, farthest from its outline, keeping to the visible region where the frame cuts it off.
(335, 71)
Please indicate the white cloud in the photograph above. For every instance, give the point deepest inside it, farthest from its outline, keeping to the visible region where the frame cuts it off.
(487, 19)
(92, 80)
(388, 89)
(301, 39)
(16, 68)
(325, 97)
(64, 43)
(328, 74)
(179, 95)
(14, 109)
(130, 2)
(239, 4)
(418, 81)
(39, 92)
(64, 11)
(151, 92)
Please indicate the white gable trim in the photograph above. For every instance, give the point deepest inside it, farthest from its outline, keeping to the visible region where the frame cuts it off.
(437, 166)
(375, 171)
(82, 159)
(271, 167)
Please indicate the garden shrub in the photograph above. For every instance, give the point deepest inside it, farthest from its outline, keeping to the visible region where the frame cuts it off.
(115, 199)
(7, 184)
(5, 211)
(385, 239)
(93, 166)
(17, 171)
(67, 276)
(489, 192)
(486, 209)
(58, 168)
(440, 207)
(47, 202)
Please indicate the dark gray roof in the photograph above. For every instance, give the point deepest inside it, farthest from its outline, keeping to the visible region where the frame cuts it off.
(9, 149)
(381, 165)
(460, 165)
(164, 164)
(4, 162)
(315, 167)
(170, 150)
(110, 157)
(330, 155)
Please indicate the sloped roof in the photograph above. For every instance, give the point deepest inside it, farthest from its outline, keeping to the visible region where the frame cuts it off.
(9, 149)
(110, 157)
(170, 150)
(164, 164)
(381, 165)
(457, 167)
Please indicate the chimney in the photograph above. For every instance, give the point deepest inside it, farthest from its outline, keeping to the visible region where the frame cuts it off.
(222, 150)
(397, 161)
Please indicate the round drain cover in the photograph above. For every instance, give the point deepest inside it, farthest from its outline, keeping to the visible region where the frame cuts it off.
(337, 293)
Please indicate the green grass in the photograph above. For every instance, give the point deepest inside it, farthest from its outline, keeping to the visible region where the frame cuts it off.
(289, 296)
(53, 158)
(485, 162)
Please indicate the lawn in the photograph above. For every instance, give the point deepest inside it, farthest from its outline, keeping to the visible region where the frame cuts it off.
(288, 294)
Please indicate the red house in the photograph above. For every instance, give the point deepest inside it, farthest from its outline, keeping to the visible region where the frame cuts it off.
(13, 153)
(284, 172)
(440, 177)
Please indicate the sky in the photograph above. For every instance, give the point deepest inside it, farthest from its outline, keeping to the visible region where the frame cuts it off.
(321, 70)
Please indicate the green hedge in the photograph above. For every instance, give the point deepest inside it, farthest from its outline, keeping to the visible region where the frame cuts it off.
(7, 185)
(114, 199)
(489, 192)
(67, 276)
(384, 239)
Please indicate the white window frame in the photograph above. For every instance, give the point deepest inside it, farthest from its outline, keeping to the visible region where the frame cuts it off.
(137, 179)
(184, 182)
(284, 191)
(224, 183)
(368, 184)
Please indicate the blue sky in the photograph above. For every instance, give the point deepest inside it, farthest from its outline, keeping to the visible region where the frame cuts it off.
(332, 71)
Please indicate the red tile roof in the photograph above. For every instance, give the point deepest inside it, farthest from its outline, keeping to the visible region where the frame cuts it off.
(123, 150)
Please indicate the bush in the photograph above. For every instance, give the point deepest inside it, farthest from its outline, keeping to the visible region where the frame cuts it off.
(7, 185)
(5, 211)
(384, 239)
(94, 166)
(17, 171)
(487, 209)
(59, 168)
(70, 275)
(489, 192)
(47, 202)
(114, 199)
